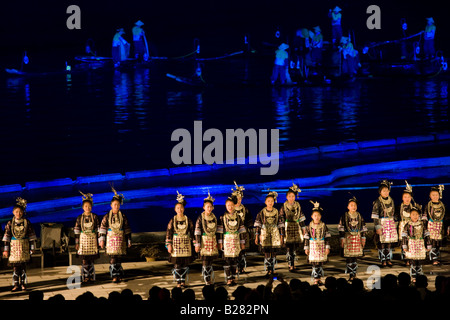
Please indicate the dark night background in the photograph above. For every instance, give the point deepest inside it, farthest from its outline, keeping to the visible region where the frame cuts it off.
(40, 26)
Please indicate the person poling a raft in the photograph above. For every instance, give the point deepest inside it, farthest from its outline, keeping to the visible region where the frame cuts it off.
(141, 52)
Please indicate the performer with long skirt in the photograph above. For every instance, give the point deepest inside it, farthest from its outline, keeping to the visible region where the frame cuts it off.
(383, 215)
(435, 213)
(19, 243)
(295, 227)
(246, 217)
(179, 237)
(403, 213)
(206, 239)
(352, 233)
(116, 230)
(269, 233)
(317, 243)
(232, 239)
(86, 238)
(416, 242)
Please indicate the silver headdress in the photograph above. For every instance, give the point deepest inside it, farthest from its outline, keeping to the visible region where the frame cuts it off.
(87, 197)
(209, 198)
(118, 197)
(239, 192)
(22, 203)
(273, 194)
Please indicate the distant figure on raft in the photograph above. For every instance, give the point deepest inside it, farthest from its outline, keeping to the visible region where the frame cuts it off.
(120, 47)
(140, 42)
(350, 61)
(281, 67)
(336, 28)
(428, 40)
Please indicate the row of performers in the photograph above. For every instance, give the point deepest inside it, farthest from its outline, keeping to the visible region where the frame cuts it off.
(418, 231)
(113, 232)
(273, 229)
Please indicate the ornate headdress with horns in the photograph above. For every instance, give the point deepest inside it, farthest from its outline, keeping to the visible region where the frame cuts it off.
(21, 203)
(180, 199)
(295, 189)
(239, 192)
(273, 194)
(408, 188)
(385, 183)
(87, 197)
(316, 206)
(118, 197)
(209, 198)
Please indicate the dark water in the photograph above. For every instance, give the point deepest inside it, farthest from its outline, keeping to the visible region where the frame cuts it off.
(116, 121)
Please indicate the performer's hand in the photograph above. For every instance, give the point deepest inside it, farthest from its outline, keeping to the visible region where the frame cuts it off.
(256, 240)
(102, 244)
(197, 249)
(327, 251)
(307, 252)
(363, 243)
(77, 246)
(5, 254)
(379, 231)
(220, 246)
(282, 240)
(169, 248)
(242, 246)
(31, 251)
(129, 245)
(342, 243)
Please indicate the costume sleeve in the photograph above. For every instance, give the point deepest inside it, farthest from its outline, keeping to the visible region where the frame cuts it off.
(306, 237)
(363, 228)
(258, 223)
(302, 219)
(126, 229)
(426, 237)
(7, 236)
(104, 225)
(77, 229)
(404, 236)
(169, 232)
(281, 224)
(198, 232)
(376, 214)
(241, 230)
(191, 229)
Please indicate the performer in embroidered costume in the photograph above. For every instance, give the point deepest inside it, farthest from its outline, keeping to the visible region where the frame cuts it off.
(317, 243)
(269, 233)
(19, 243)
(292, 213)
(416, 242)
(403, 212)
(383, 216)
(86, 238)
(115, 230)
(246, 217)
(179, 237)
(352, 233)
(435, 213)
(206, 239)
(232, 239)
